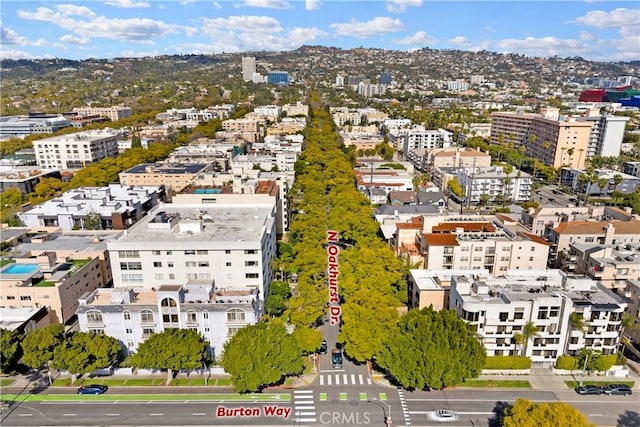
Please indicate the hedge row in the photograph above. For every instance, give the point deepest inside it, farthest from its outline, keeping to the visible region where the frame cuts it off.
(604, 363)
(507, 362)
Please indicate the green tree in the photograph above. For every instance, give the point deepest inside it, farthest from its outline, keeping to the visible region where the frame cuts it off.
(274, 354)
(38, 346)
(617, 180)
(603, 184)
(11, 197)
(454, 186)
(10, 350)
(171, 349)
(277, 300)
(529, 330)
(85, 352)
(429, 348)
(524, 413)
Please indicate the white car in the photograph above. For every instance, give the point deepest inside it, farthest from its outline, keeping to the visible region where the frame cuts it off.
(442, 415)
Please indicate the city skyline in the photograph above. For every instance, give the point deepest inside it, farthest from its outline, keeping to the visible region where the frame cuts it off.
(598, 31)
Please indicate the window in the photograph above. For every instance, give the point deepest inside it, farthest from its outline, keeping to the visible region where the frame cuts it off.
(250, 252)
(157, 264)
(504, 316)
(250, 263)
(205, 315)
(588, 239)
(530, 258)
(170, 318)
(231, 331)
(172, 276)
(518, 314)
(543, 313)
(126, 315)
(129, 254)
(465, 249)
(146, 332)
(129, 331)
(227, 252)
(125, 266)
(168, 302)
(235, 315)
(505, 249)
(202, 252)
(97, 331)
(11, 297)
(203, 263)
(189, 252)
(478, 249)
(190, 264)
(170, 264)
(251, 276)
(192, 317)
(477, 258)
(533, 248)
(228, 264)
(146, 316)
(94, 317)
(156, 252)
(554, 311)
(159, 276)
(25, 297)
(132, 278)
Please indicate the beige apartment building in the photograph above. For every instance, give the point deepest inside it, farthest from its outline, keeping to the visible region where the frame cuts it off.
(112, 113)
(241, 125)
(539, 219)
(611, 265)
(459, 158)
(174, 176)
(47, 281)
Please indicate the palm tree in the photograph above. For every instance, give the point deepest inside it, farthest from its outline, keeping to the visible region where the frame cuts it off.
(592, 178)
(579, 166)
(583, 180)
(617, 180)
(529, 331)
(576, 323)
(518, 339)
(602, 184)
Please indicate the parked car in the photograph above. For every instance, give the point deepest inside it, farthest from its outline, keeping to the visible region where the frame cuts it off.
(589, 389)
(336, 358)
(617, 389)
(323, 347)
(442, 415)
(93, 389)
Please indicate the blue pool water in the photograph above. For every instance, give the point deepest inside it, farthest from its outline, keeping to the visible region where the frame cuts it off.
(20, 268)
(207, 191)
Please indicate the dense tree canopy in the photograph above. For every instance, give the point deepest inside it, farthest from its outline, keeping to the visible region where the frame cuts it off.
(84, 352)
(431, 348)
(39, 345)
(274, 354)
(10, 350)
(524, 413)
(172, 349)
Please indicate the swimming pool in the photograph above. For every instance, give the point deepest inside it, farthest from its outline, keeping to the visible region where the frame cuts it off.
(20, 268)
(207, 191)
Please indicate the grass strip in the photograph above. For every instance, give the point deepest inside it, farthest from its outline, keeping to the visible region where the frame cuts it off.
(574, 384)
(5, 382)
(496, 383)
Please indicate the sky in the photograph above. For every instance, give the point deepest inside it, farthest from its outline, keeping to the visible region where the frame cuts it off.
(593, 30)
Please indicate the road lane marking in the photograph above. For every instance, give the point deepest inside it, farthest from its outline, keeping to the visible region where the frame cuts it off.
(112, 415)
(596, 415)
(25, 415)
(306, 420)
(69, 415)
(155, 415)
(198, 414)
(305, 413)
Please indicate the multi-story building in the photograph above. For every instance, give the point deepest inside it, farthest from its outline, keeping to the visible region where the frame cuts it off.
(18, 126)
(631, 168)
(242, 125)
(459, 158)
(76, 150)
(248, 68)
(539, 219)
(278, 77)
(417, 137)
(628, 185)
(591, 232)
(173, 176)
(44, 280)
(480, 244)
(24, 179)
(131, 315)
(112, 113)
(611, 265)
(431, 287)
(115, 207)
(297, 109)
(229, 245)
(493, 184)
(606, 135)
(499, 308)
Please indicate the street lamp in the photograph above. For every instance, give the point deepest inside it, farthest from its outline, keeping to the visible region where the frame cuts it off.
(386, 412)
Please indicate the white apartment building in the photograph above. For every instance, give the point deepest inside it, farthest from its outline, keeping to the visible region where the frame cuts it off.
(114, 113)
(248, 68)
(494, 183)
(297, 109)
(499, 307)
(273, 112)
(114, 207)
(229, 245)
(76, 150)
(606, 134)
(417, 137)
(131, 315)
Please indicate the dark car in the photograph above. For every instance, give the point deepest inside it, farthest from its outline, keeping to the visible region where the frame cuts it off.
(617, 389)
(588, 389)
(93, 389)
(323, 347)
(336, 358)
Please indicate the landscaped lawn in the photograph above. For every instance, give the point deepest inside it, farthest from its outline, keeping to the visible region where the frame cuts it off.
(496, 383)
(142, 382)
(5, 382)
(574, 384)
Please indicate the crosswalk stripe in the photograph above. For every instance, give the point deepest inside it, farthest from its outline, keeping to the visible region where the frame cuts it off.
(337, 379)
(328, 379)
(321, 379)
(345, 378)
(304, 407)
(303, 392)
(353, 379)
(360, 379)
(306, 420)
(306, 413)
(369, 381)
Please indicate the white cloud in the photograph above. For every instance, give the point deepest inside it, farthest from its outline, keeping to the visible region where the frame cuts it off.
(362, 30)
(459, 41)
(8, 37)
(616, 18)
(312, 4)
(398, 6)
(91, 25)
(70, 38)
(267, 4)
(127, 3)
(15, 54)
(215, 4)
(243, 23)
(420, 38)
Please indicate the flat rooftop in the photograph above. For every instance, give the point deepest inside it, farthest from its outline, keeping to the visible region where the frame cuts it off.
(219, 223)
